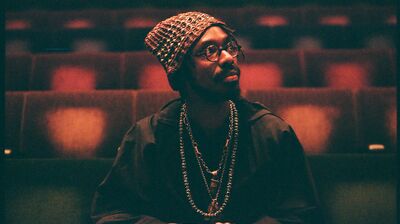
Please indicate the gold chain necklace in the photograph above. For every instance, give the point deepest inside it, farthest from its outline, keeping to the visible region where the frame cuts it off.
(214, 183)
(213, 209)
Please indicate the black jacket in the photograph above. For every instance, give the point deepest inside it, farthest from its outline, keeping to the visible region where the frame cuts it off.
(272, 182)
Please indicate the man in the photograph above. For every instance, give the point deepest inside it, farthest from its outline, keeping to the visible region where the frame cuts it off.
(210, 156)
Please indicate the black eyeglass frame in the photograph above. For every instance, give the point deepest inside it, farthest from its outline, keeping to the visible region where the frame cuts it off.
(220, 49)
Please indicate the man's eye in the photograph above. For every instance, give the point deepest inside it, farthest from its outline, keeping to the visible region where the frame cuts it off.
(211, 50)
(231, 46)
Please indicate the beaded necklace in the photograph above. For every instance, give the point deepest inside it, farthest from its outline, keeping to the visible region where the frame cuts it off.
(213, 189)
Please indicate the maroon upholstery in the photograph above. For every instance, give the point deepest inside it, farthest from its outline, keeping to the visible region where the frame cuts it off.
(86, 19)
(271, 17)
(263, 69)
(143, 71)
(380, 16)
(377, 119)
(142, 18)
(18, 72)
(322, 118)
(76, 125)
(74, 72)
(27, 20)
(349, 68)
(332, 16)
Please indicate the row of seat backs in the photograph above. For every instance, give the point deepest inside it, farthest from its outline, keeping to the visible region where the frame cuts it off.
(257, 28)
(356, 189)
(281, 37)
(238, 17)
(260, 69)
(92, 124)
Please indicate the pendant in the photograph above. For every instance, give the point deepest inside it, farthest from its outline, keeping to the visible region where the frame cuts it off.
(214, 182)
(213, 207)
(213, 186)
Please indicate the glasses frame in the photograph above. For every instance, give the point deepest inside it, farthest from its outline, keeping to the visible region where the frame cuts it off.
(220, 49)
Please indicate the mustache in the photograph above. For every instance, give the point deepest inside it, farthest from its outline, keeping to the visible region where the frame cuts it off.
(234, 70)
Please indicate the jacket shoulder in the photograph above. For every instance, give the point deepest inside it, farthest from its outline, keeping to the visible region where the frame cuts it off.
(259, 114)
(145, 128)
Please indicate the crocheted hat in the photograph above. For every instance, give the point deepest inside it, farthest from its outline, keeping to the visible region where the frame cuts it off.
(170, 39)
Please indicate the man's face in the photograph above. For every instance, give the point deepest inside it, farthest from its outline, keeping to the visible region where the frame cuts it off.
(213, 80)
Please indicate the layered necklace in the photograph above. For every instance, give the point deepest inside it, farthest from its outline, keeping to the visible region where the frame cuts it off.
(213, 186)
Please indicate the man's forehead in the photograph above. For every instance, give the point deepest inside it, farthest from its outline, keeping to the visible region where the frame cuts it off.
(213, 34)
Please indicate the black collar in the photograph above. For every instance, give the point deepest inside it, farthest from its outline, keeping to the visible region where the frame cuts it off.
(248, 111)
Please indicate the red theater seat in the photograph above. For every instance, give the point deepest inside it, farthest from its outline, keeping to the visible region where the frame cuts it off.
(332, 16)
(93, 30)
(230, 15)
(270, 28)
(18, 46)
(76, 72)
(18, 72)
(151, 101)
(380, 16)
(322, 118)
(377, 119)
(270, 17)
(349, 68)
(81, 19)
(263, 69)
(28, 20)
(143, 71)
(14, 104)
(142, 18)
(76, 125)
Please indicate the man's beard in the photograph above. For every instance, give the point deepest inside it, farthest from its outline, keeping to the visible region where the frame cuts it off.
(232, 91)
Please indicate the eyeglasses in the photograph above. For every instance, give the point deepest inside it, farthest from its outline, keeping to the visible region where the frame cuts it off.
(212, 52)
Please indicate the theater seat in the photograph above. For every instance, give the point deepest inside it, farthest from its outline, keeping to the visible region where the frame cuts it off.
(270, 28)
(18, 72)
(143, 71)
(322, 118)
(272, 17)
(151, 101)
(262, 69)
(27, 20)
(349, 68)
(377, 119)
(18, 45)
(81, 19)
(142, 18)
(14, 104)
(332, 16)
(76, 72)
(93, 30)
(79, 40)
(76, 125)
(380, 16)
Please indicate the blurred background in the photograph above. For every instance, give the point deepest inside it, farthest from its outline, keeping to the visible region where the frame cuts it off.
(78, 76)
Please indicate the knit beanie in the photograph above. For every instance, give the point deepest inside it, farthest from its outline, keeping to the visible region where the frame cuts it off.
(170, 39)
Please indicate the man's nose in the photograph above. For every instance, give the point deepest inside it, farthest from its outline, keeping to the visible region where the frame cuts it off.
(225, 58)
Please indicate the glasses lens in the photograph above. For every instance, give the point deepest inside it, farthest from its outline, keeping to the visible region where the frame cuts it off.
(212, 53)
(232, 48)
